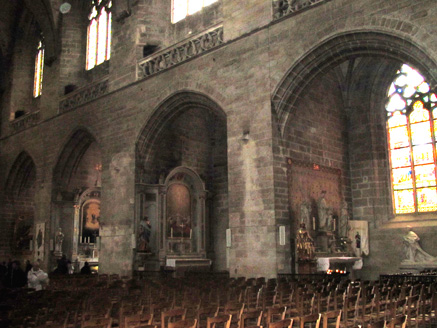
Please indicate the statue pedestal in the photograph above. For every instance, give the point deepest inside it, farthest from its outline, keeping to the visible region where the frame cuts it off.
(324, 240)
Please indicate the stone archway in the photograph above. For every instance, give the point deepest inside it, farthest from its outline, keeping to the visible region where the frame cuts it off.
(187, 130)
(329, 109)
(76, 185)
(19, 210)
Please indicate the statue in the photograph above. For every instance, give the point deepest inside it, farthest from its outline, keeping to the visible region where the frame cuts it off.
(304, 244)
(305, 211)
(413, 251)
(323, 211)
(344, 221)
(145, 230)
(59, 238)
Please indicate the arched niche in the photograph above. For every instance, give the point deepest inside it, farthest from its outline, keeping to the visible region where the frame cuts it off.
(171, 222)
(87, 226)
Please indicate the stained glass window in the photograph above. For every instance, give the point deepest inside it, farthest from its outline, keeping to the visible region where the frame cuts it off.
(183, 8)
(99, 33)
(412, 135)
(39, 68)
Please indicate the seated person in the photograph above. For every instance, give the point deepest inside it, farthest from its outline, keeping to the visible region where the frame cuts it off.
(37, 278)
(86, 269)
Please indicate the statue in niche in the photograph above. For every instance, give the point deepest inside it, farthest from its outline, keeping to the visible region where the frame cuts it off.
(305, 214)
(145, 231)
(59, 238)
(413, 251)
(323, 211)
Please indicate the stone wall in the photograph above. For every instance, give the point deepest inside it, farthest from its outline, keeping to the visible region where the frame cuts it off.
(264, 72)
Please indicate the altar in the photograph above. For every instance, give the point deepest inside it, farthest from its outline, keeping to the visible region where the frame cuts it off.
(171, 224)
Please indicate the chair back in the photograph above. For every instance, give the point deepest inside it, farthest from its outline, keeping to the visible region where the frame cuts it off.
(286, 323)
(190, 323)
(224, 319)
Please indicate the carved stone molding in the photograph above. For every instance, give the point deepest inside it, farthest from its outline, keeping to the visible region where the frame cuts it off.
(83, 95)
(25, 121)
(180, 52)
(283, 8)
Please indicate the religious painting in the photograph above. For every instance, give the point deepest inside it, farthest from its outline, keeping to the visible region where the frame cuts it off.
(359, 235)
(315, 195)
(39, 241)
(22, 234)
(90, 221)
(178, 211)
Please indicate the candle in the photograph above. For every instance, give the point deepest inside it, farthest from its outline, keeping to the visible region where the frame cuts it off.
(191, 233)
(171, 232)
(314, 223)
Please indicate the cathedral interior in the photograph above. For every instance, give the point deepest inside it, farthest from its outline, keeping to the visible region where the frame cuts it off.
(255, 138)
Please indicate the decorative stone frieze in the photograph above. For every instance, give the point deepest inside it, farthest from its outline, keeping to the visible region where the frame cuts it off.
(83, 95)
(180, 52)
(25, 121)
(283, 8)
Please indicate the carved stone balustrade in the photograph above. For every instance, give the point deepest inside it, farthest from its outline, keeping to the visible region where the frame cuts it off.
(25, 121)
(283, 8)
(181, 52)
(83, 95)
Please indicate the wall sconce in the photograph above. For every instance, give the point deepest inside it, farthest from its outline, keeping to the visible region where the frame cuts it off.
(65, 7)
(245, 137)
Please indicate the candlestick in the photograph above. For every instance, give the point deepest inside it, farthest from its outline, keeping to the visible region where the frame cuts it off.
(314, 223)
(191, 233)
(334, 224)
(171, 232)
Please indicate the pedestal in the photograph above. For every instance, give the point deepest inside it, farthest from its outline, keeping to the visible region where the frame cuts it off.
(306, 266)
(417, 267)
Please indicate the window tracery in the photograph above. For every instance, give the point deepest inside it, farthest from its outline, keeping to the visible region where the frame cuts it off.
(184, 8)
(99, 33)
(412, 136)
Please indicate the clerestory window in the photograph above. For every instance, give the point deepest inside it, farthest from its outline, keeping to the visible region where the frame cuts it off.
(183, 8)
(99, 33)
(39, 69)
(412, 136)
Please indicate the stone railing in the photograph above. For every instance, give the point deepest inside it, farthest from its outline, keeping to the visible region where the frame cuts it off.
(283, 8)
(181, 52)
(25, 121)
(83, 95)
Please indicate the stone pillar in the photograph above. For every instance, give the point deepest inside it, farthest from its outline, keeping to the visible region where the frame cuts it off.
(117, 214)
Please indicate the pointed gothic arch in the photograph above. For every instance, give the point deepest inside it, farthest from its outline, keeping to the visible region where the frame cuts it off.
(336, 50)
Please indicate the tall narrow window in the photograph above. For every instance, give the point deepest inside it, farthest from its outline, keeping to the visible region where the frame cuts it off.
(183, 8)
(99, 33)
(412, 136)
(39, 67)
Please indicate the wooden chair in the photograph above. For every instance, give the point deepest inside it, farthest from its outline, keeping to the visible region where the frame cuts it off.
(191, 323)
(137, 320)
(253, 318)
(286, 323)
(172, 316)
(310, 319)
(97, 323)
(400, 321)
(203, 313)
(224, 320)
(327, 316)
(275, 313)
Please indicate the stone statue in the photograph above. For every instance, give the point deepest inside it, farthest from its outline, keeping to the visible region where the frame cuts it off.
(59, 238)
(323, 211)
(413, 251)
(305, 211)
(343, 226)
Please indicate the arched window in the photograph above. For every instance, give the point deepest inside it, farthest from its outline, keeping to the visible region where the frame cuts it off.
(99, 33)
(39, 67)
(412, 136)
(183, 8)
